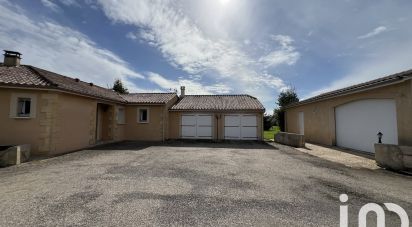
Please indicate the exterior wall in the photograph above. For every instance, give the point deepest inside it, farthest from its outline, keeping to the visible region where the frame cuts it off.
(174, 125)
(19, 130)
(167, 119)
(319, 117)
(218, 123)
(75, 124)
(151, 131)
(62, 122)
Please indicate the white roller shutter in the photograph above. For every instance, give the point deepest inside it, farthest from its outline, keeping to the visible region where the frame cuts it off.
(357, 123)
(197, 126)
(240, 126)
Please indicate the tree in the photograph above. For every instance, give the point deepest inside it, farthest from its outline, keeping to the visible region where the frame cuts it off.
(119, 87)
(267, 122)
(285, 98)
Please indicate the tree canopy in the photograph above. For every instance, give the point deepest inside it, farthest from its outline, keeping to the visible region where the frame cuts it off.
(119, 87)
(287, 97)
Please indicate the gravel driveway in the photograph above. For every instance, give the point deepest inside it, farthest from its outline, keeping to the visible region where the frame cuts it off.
(182, 183)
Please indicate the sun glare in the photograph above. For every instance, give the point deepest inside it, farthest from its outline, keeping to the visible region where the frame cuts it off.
(224, 2)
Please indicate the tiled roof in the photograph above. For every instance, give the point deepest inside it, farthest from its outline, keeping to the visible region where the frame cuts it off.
(149, 98)
(383, 81)
(77, 86)
(218, 102)
(23, 76)
(30, 76)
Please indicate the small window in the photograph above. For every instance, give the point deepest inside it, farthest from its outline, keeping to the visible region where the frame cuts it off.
(23, 107)
(143, 115)
(120, 115)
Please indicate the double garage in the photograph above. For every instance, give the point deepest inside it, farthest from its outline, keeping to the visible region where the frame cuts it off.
(228, 126)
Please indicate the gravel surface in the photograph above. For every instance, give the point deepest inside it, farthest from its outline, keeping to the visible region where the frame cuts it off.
(193, 183)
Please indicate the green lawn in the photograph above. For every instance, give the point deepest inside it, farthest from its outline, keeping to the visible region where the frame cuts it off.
(270, 134)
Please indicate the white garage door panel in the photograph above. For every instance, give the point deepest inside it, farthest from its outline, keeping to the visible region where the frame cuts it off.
(204, 132)
(241, 127)
(188, 120)
(232, 132)
(232, 120)
(357, 124)
(249, 120)
(249, 132)
(204, 120)
(196, 126)
(188, 131)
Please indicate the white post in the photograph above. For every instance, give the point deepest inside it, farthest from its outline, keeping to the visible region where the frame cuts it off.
(18, 155)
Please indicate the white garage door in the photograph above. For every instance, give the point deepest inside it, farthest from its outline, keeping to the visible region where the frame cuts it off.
(197, 126)
(240, 127)
(357, 124)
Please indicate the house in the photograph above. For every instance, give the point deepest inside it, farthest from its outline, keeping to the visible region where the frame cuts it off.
(58, 114)
(353, 116)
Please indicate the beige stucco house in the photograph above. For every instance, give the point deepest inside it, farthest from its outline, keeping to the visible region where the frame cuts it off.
(58, 114)
(352, 117)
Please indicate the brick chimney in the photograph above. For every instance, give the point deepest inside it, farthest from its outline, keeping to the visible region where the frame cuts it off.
(182, 91)
(11, 58)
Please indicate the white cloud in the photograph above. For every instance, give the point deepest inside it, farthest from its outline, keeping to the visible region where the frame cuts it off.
(286, 54)
(61, 49)
(51, 5)
(70, 2)
(186, 46)
(284, 40)
(278, 57)
(192, 87)
(375, 32)
(161, 81)
(131, 36)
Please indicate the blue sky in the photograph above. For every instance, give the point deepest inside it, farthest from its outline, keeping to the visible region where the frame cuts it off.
(213, 47)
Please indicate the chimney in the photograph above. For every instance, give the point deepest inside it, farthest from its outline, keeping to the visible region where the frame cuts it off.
(182, 91)
(11, 58)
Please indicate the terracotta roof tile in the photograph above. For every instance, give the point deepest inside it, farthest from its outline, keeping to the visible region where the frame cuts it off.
(30, 76)
(21, 76)
(149, 98)
(218, 102)
(77, 86)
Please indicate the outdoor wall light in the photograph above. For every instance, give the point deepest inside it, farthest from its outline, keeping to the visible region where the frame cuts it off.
(380, 134)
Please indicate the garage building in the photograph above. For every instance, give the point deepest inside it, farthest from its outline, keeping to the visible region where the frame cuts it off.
(222, 117)
(352, 117)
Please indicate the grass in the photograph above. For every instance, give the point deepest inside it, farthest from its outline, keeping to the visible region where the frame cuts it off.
(270, 134)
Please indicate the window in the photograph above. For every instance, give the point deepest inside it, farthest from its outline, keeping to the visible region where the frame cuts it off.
(120, 115)
(23, 107)
(143, 115)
